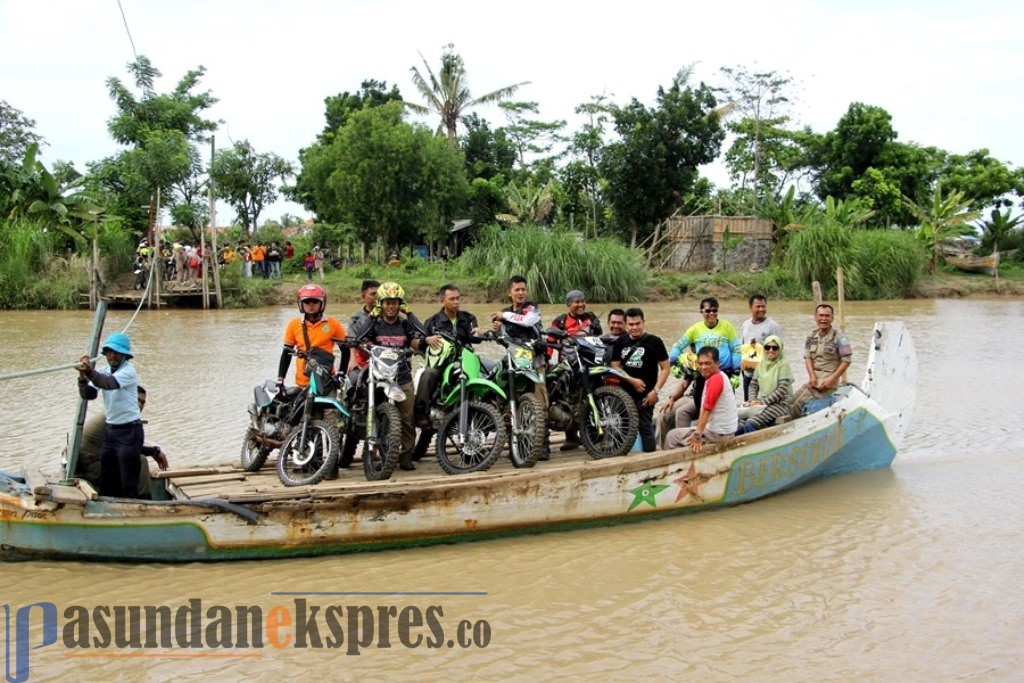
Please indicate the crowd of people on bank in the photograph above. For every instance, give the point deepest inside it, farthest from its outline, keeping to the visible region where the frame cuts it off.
(730, 383)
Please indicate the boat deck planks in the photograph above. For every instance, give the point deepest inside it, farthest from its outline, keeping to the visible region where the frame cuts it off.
(237, 485)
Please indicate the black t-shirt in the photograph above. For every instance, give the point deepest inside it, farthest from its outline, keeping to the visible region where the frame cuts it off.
(640, 358)
(462, 330)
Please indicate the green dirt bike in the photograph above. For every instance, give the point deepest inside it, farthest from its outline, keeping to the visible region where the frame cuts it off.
(578, 394)
(470, 430)
(516, 377)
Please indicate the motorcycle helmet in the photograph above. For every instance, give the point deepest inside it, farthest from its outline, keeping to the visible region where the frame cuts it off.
(438, 358)
(391, 290)
(686, 366)
(312, 292)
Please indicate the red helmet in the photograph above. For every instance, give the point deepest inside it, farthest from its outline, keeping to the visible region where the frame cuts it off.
(312, 292)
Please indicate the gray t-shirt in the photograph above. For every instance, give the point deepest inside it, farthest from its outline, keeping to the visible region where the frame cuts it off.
(759, 332)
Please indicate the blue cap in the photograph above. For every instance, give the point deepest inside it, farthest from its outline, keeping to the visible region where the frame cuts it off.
(119, 341)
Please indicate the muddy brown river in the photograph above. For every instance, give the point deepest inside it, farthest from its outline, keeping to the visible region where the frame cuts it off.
(910, 573)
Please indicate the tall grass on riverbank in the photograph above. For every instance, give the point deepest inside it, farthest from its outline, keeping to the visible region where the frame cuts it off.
(557, 262)
(878, 264)
(31, 276)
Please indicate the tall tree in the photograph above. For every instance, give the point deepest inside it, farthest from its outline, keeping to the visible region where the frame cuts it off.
(447, 94)
(654, 164)
(581, 177)
(338, 108)
(534, 140)
(247, 180)
(758, 112)
(17, 132)
(337, 111)
(393, 181)
(160, 129)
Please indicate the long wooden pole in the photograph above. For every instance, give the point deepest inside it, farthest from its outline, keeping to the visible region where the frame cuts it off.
(213, 228)
(76, 431)
(154, 248)
(840, 304)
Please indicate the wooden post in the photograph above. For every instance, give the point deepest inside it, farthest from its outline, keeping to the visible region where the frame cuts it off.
(155, 248)
(94, 285)
(76, 431)
(816, 290)
(213, 229)
(841, 287)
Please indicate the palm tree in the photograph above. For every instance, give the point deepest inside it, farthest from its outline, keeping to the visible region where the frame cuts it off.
(449, 95)
(999, 228)
(943, 219)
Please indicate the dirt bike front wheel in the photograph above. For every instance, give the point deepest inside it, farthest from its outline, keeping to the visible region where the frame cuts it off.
(305, 464)
(478, 448)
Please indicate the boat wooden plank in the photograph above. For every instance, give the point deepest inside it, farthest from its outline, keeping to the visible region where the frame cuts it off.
(68, 495)
(194, 472)
(37, 482)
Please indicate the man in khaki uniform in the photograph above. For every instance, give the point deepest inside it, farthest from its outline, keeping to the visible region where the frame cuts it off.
(827, 355)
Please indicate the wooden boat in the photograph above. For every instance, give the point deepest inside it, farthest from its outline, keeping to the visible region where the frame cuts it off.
(225, 513)
(973, 264)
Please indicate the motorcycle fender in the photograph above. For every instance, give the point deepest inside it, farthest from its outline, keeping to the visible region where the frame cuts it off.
(326, 400)
(481, 386)
(394, 393)
(606, 370)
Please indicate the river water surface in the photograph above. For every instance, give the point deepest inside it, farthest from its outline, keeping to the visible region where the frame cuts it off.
(911, 573)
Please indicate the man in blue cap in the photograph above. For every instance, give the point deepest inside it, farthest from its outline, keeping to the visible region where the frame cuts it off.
(122, 442)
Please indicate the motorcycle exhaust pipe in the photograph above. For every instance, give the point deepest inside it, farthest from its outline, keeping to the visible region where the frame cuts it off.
(268, 441)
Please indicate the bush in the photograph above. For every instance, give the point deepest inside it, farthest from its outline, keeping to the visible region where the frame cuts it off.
(878, 264)
(555, 262)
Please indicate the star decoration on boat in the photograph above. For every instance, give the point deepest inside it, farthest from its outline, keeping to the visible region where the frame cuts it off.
(690, 483)
(646, 494)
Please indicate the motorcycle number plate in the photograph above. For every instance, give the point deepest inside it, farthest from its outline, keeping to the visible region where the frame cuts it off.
(387, 354)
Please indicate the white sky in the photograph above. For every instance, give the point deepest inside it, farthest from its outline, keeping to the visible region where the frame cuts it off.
(947, 72)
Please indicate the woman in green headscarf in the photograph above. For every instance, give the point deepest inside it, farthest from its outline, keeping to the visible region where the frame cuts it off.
(772, 387)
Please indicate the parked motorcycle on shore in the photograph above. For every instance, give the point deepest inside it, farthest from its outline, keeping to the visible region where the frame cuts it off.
(605, 415)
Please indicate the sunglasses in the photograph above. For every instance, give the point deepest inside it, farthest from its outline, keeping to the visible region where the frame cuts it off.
(771, 348)
(710, 310)
(310, 301)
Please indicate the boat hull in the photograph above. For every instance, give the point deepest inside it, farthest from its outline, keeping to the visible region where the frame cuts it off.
(855, 433)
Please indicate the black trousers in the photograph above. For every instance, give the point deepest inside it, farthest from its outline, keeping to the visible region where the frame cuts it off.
(119, 460)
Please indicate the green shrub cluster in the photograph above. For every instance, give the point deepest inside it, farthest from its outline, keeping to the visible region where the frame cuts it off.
(878, 264)
(555, 262)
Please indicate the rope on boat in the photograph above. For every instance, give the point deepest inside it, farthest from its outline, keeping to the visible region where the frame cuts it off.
(69, 366)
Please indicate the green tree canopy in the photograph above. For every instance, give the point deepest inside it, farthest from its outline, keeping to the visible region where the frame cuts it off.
(393, 181)
(654, 164)
(17, 132)
(247, 180)
(338, 108)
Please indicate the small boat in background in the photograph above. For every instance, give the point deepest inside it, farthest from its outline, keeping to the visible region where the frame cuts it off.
(973, 264)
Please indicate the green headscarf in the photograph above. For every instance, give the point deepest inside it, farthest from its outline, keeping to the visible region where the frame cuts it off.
(770, 372)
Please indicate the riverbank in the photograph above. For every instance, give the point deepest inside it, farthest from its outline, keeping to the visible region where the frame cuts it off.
(664, 286)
